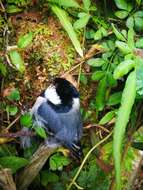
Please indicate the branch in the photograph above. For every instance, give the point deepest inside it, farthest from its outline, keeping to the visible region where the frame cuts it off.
(6, 180)
(17, 134)
(38, 160)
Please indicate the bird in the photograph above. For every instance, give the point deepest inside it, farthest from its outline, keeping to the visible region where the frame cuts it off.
(57, 110)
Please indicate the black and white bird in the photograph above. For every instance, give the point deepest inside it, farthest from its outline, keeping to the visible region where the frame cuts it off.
(57, 109)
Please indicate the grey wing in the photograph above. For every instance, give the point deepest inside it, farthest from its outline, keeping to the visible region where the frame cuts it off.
(72, 126)
(49, 118)
(65, 126)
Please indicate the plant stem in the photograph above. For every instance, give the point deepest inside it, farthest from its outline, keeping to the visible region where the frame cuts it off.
(85, 158)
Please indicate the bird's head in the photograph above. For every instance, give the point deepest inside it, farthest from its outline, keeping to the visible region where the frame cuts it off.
(61, 91)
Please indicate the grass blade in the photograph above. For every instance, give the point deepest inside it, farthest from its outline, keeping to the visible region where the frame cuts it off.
(61, 14)
(127, 101)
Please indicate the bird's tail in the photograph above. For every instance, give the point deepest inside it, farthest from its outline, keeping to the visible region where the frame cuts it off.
(76, 150)
(25, 141)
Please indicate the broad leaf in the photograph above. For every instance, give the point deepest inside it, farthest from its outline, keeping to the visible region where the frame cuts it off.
(40, 131)
(57, 161)
(107, 117)
(48, 177)
(13, 162)
(97, 75)
(86, 4)
(26, 120)
(114, 99)
(139, 43)
(81, 22)
(17, 60)
(13, 9)
(95, 62)
(123, 47)
(25, 40)
(121, 14)
(3, 69)
(123, 68)
(130, 22)
(12, 110)
(14, 95)
(124, 4)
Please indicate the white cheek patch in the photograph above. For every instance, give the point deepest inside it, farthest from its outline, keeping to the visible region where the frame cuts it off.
(76, 104)
(52, 95)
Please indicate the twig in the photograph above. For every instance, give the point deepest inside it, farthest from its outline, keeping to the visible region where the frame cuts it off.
(38, 160)
(17, 134)
(85, 158)
(12, 123)
(1, 4)
(6, 180)
(81, 61)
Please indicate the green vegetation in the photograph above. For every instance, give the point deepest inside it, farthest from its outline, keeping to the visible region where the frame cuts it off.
(101, 44)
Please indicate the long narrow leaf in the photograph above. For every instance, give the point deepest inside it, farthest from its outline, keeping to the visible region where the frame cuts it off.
(127, 101)
(66, 3)
(61, 14)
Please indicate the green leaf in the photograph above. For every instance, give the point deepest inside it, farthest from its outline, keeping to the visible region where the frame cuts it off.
(97, 75)
(13, 9)
(123, 47)
(65, 3)
(17, 60)
(12, 110)
(138, 24)
(107, 117)
(139, 43)
(117, 33)
(81, 22)
(138, 14)
(26, 120)
(101, 94)
(3, 69)
(13, 162)
(61, 14)
(14, 95)
(40, 131)
(83, 78)
(86, 4)
(131, 38)
(95, 62)
(121, 14)
(114, 99)
(48, 177)
(127, 101)
(110, 79)
(57, 161)
(123, 4)
(25, 40)
(123, 68)
(100, 33)
(130, 22)
(138, 145)
(139, 75)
